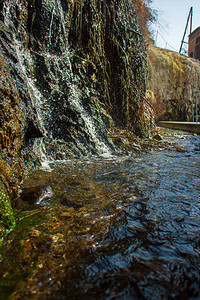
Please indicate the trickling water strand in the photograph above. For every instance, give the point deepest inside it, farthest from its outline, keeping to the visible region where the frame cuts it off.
(6, 11)
(50, 27)
(62, 22)
(38, 102)
(100, 146)
(39, 148)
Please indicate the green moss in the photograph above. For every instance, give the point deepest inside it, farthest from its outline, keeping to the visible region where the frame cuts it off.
(7, 220)
(13, 269)
(171, 59)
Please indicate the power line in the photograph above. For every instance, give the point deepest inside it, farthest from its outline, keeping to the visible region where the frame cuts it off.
(158, 33)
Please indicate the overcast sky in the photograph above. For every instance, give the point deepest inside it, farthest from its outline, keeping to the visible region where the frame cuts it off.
(172, 21)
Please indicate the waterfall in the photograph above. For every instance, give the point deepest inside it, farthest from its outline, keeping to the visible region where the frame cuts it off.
(53, 95)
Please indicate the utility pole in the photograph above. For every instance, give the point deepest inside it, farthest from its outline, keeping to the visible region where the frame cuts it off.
(190, 16)
(191, 19)
(192, 112)
(196, 110)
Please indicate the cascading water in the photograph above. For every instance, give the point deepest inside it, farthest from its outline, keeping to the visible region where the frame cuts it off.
(52, 92)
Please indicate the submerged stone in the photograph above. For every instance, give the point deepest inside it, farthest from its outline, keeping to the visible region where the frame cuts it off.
(68, 203)
(34, 196)
(158, 137)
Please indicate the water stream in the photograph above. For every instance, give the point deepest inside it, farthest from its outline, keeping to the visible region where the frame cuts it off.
(119, 228)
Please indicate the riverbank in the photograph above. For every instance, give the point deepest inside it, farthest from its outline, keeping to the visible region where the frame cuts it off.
(158, 139)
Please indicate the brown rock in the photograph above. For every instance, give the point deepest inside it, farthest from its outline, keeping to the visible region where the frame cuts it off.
(34, 196)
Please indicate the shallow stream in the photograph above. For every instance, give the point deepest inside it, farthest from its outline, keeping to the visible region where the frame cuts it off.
(120, 228)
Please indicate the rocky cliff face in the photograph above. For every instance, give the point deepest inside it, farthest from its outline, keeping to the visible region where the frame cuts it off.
(174, 85)
(66, 65)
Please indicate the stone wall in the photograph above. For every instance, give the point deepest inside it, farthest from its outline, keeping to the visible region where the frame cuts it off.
(174, 85)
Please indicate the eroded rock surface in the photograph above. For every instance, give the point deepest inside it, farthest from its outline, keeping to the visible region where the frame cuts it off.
(174, 85)
(64, 66)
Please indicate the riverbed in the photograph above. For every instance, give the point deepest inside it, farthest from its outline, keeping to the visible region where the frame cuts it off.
(125, 227)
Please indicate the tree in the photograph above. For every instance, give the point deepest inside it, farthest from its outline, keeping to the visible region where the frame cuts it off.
(146, 16)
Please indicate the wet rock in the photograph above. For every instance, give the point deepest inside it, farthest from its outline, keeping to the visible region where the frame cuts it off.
(136, 144)
(120, 141)
(68, 203)
(158, 137)
(107, 119)
(6, 170)
(11, 130)
(136, 147)
(71, 89)
(34, 196)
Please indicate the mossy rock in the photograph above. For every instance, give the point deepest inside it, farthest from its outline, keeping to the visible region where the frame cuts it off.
(7, 220)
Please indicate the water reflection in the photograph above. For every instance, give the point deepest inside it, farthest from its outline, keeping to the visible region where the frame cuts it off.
(122, 229)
